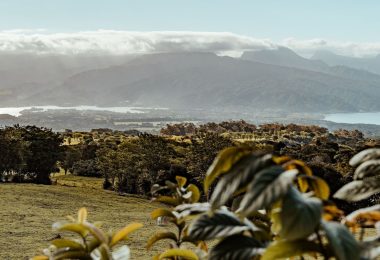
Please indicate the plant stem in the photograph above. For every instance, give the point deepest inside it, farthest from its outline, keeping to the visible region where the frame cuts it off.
(323, 251)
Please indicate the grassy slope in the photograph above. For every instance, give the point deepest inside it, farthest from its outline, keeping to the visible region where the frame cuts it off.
(27, 212)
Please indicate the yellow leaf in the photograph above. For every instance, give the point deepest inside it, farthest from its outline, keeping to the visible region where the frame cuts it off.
(40, 257)
(82, 215)
(195, 193)
(160, 236)
(302, 184)
(71, 227)
(161, 212)
(168, 200)
(320, 188)
(281, 159)
(123, 233)
(181, 181)
(60, 243)
(183, 253)
(223, 163)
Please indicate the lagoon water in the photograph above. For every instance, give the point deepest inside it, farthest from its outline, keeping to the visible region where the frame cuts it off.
(355, 118)
(17, 111)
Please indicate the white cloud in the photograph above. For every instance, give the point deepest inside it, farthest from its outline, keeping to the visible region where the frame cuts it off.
(125, 42)
(308, 47)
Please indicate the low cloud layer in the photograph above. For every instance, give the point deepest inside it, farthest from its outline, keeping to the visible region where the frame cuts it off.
(125, 42)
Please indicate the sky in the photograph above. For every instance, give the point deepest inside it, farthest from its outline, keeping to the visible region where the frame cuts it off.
(346, 26)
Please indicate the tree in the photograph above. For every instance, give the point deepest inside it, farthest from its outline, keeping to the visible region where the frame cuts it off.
(44, 150)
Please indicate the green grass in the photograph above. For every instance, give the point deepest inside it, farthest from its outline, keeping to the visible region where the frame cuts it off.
(27, 212)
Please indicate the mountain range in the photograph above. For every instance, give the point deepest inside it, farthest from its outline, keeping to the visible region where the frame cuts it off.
(272, 80)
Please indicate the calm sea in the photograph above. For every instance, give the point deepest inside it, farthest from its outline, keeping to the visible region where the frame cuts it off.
(16, 111)
(355, 118)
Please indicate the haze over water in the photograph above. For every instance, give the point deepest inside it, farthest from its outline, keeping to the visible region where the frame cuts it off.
(355, 118)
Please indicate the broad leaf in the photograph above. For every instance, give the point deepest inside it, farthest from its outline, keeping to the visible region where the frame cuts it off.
(82, 215)
(123, 233)
(161, 212)
(369, 154)
(223, 163)
(238, 177)
(221, 224)
(185, 210)
(160, 236)
(237, 247)
(341, 241)
(65, 253)
(167, 200)
(181, 181)
(62, 243)
(316, 184)
(284, 249)
(299, 215)
(183, 253)
(195, 193)
(267, 187)
(366, 216)
(78, 228)
(359, 190)
(367, 169)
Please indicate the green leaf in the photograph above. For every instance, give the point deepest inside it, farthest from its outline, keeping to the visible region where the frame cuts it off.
(185, 254)
(221, 224)
(300, 216)
(284, 249)
(160, 236)
(223, 163)
(237, 247)
(238, 177)
(341, 241)
(268, 186)
(359, 190)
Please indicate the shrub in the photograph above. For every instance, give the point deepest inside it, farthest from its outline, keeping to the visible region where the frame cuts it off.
(277, 209)
(93, 243)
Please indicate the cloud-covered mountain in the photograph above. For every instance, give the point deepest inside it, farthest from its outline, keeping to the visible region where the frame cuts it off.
(370, 64)
(22, 75)
(203, 80)
(286, 57)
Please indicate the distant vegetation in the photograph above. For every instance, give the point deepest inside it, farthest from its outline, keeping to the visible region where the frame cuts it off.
(131, 162)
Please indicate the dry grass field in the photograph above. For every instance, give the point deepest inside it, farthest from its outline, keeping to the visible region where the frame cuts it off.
(27, 212)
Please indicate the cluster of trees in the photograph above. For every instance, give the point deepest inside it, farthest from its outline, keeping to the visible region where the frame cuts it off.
(29, 153)
(241, 126)
(134, 164)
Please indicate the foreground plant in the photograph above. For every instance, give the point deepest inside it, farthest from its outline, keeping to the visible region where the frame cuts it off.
(179, 197)
(267, 207)
(91, 242)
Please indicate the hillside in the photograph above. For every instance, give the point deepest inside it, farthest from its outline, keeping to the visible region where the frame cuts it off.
(203, 80)
(371, 64)
(30, 210)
